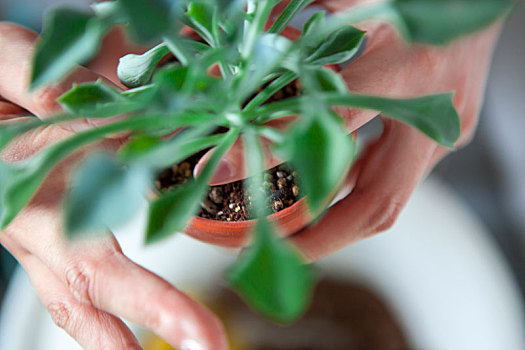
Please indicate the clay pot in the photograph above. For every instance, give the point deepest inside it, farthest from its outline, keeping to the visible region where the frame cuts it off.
(236, 234)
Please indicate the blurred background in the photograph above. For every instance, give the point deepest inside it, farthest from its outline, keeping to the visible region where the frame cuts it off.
(488, 175)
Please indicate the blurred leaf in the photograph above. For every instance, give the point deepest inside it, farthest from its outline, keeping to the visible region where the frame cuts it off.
(271, 277)
(329, 81)
(104, 194)
(268, 53)
(313, 33)
(336, 47)
(439, 21)
(321, 151)
(10, 131)
(202, 17)
(136, 70)
(434, 115)
(98, 100)
(19, 181)
(172, 211)
(159, 154)
(148, 20)
(69, 38)
(109, 12)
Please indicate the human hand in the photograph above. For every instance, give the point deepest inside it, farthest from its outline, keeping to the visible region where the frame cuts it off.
(86, 286)
(390, 168)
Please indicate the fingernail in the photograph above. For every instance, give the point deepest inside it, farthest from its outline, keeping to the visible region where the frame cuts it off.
(225, 172)
(190, 344)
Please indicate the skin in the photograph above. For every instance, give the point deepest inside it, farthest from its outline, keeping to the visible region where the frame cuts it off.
(88, 286)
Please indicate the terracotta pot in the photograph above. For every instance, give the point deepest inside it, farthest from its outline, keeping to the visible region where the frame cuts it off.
(236, 234)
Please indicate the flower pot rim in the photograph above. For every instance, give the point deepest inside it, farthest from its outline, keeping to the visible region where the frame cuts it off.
(297, 207)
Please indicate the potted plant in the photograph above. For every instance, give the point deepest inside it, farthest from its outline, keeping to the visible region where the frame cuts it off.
(217, 91)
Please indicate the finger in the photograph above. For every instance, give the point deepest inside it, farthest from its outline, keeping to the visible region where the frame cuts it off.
(9, 110)
(99, 275)
(90, 327)
(389, 172)
(18, 45)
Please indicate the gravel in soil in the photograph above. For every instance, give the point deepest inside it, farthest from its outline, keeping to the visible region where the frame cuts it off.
(233, 201)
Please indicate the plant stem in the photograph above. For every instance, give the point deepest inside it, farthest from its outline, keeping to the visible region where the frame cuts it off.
(177, 47)
(293, 8)
(271, 89)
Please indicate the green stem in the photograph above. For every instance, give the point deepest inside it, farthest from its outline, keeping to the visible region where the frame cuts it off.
(293, 8)
(177, 47)
(270, 90)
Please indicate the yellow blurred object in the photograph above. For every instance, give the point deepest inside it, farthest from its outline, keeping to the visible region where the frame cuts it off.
(155, 343)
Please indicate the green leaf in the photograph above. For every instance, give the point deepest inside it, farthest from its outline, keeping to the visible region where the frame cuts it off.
(136, 70)
(313, 32)
(322, 152)
(202, 17)
(69, 38)
(172, 211)
(10, 131)
(434, 115)
(159, 154)
(104, 194)
(97, 100)
(329, 81)
(268, 53)
(337, 47)
(293, 8)
(271, 277)
(109, 12)
(439, 21)
(148, 20)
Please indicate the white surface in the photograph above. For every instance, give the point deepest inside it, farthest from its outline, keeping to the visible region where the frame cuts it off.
(437, 268)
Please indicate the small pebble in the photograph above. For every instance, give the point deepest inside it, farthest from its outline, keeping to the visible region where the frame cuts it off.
(280, 174)
(295, 190)
(216, 195)
(237, 209)
(209, 206)
(278, 205)
(281, 183)
(231, 205)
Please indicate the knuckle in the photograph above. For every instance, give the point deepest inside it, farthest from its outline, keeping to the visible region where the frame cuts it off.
(82, 274)
(80, 281)
(46, 99)
(386, 215)
(61, 315)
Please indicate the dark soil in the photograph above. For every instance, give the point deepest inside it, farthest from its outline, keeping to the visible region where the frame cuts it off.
(232, 201)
